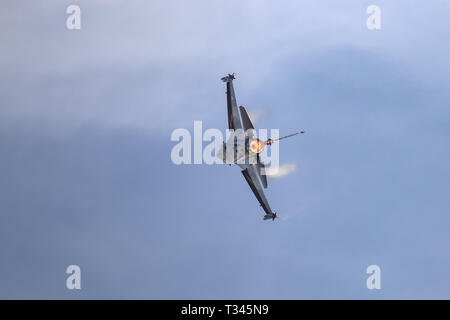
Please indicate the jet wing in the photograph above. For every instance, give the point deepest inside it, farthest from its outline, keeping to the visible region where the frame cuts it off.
(251, 176)
(234, 119)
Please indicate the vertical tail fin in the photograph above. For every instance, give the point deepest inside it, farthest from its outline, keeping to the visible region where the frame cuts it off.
(245, 119)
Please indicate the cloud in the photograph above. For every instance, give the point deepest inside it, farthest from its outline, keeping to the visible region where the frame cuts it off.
(159, 72)
(281, 171)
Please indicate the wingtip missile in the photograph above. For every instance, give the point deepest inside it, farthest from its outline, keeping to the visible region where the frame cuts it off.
(271, 141)
(230, 77)
(272, 216)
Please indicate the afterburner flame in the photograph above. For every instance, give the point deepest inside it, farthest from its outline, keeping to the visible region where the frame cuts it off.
(256, 146)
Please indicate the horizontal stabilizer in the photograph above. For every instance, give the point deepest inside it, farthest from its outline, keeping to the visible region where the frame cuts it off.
(261, 168)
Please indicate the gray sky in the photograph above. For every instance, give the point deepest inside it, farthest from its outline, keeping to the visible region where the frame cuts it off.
(85, 170)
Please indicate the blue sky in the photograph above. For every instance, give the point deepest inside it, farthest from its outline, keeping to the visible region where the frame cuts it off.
(85, 170)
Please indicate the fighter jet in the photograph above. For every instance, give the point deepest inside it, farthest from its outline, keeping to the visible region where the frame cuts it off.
(245, 147)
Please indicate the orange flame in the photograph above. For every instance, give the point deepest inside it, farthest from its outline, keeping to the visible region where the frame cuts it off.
(256, 146)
